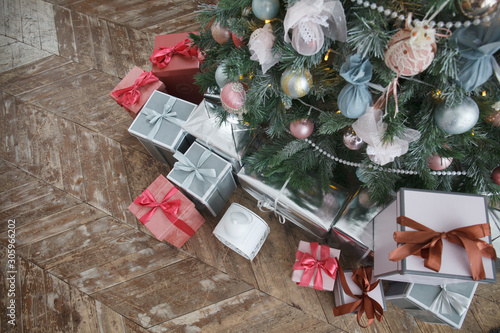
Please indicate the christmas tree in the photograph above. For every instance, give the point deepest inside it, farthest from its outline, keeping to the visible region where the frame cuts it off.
(389, 94)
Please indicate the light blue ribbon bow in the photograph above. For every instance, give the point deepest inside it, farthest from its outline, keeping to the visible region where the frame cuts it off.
(446, 300)
(184, 164)
(155, 118)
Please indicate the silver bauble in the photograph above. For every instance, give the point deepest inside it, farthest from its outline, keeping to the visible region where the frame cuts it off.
(477, 8)
(458, 118)
(352, 141)
(220, 76)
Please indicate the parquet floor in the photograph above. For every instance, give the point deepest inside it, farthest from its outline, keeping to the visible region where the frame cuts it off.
(69, 169)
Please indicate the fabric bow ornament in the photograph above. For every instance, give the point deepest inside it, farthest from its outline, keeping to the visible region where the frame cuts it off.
(355, 97)
(310, 264)
(428, 244)
(169, 207)
(184, 164)
(130, 95)
(365, 304)
(155, 118)
(162, 57)
(446, 300)
(261, 47)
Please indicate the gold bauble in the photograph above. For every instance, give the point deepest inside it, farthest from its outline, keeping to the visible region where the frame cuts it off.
(477, 8)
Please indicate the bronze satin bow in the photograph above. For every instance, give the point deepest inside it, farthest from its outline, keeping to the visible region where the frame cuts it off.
(365, 304)
(163, 55)
(130, 95)
(428, 244)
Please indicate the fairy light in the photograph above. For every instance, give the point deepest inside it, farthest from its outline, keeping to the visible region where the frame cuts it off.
(483, 93)
(267, 21)
(327, 54)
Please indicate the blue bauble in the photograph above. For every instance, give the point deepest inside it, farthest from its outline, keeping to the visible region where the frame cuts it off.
(265, 9)
(459, 118)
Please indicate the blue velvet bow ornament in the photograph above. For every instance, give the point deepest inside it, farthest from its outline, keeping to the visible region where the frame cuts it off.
(355, 97)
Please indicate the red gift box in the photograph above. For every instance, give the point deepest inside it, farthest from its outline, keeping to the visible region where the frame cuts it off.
(175, 63)
(166, 212)
(134, 90)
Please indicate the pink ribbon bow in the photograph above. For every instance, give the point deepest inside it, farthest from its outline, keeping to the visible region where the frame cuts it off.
(309, 264)
(169, 207)
(130, 95)
(162, 57)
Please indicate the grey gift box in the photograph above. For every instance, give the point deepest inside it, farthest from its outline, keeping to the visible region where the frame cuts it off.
(416, 299)
(211, 192)
(165, 136)
(314, 212)
(229, 139)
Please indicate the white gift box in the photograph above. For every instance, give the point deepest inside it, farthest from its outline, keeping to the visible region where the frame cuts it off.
(242, 231)
(494, 217)
(441, 212)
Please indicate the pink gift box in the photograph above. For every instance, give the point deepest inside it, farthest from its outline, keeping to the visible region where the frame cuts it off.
(143, 91)
(327, 258)
(163, 221)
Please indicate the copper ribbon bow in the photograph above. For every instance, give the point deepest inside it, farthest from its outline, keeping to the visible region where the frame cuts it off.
(169, 207)
(365, 304)
(130, 95)
(309, 264)
(162, 57)
(428, 244)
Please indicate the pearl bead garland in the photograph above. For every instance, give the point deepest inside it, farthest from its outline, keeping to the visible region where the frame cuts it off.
(379, 168)
(440, 24)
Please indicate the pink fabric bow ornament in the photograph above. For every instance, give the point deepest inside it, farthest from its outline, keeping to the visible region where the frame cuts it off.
(261, 47)
(128, 96)
(309, 264)
(161, 58)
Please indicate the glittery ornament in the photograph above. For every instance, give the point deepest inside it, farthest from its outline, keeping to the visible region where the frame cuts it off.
(220, 76)
(220, 34)
(233, 97)
(436, 162)
(302, 128)
(238, 41)
(296, 83)
(352, 141)
(495, 175)
(265, 9)
(477, 8)
(459, 118)
(307, 38)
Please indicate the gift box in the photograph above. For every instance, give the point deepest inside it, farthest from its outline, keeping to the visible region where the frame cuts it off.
(166, 212)
(444, 304)
(135, 89)
(494, 218)
(315, 266)
(175, 62)
(431, 227)
(242, 231)
(314, 211)
(355, 291)
(205, 176)
(159, 126)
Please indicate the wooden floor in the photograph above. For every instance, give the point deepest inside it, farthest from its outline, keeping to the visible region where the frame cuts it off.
(69, 169)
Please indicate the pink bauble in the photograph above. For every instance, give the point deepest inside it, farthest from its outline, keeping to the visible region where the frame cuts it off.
(220, 34)
(436, 162)
(301, 128)
(495, 175)
(494, 118)
(238, 41)
(233, 97)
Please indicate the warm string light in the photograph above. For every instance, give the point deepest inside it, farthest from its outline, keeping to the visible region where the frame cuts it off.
(327, 54)
(483, 93)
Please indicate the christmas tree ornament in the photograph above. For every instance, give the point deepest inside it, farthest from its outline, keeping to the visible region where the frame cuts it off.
(220, 34)
(296, 83)
(371, 129)
(477, 8)
(437, 163)
(221, 76)
(458, 118)
(261, 47)
(352, 141)
(265, 9)
(495, 175)
(238, 41)
(301, 128)
(355, 97)
(233, 97)
(494, 117)
(311, 21)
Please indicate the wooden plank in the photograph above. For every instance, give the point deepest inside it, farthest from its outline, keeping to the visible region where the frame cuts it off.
(109, 320)
(2, 16)
(486, 313)
(130, 327)
(8, 119)
(23, 194)
(11, 292)
(65, 33)
(83, 39)
(183, 22)
(34, 314)
(119, 131)
(30, 24)
(48, 32)
(170, 292)
(122, 49)
(12, 178)
(103, 50)
(13, 24)
(142, 46)
(58, 304)
(83, 312)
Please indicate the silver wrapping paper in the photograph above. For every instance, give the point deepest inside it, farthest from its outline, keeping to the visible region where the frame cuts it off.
(314, 212)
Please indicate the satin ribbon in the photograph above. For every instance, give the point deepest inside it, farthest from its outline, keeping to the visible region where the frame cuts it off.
(446, 300)
(428, 244)
(184, 164)
(265, 204)
(365, 304)
(310, 264)
(130, 95)
(155, 118)
(169, 207)
(162, 57)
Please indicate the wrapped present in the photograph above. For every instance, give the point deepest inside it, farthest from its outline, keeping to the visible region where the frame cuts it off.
(229, 139)
(242, 231)
(205, 176)
(166, 212)
(444, 238)
(314, 211)
(134, 90)
(442, 304)
(159, 126)
(315, 266)
(494, 218)
(175, 62)
(359, 292)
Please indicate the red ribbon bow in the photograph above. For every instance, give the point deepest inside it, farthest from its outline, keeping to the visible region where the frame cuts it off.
(162, 57)
(365, 304)
(428, 244)
(309, 264)
(130, 95)
(169, 207)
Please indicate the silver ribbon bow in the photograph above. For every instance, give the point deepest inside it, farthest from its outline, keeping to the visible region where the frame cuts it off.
(184, 164)
(155, 118)
(265, 206)
(446, 299)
